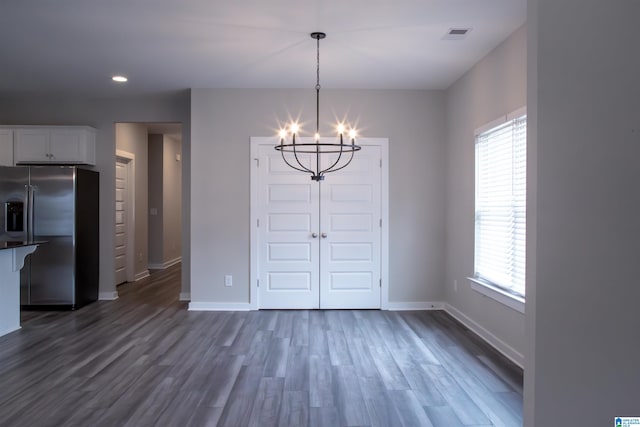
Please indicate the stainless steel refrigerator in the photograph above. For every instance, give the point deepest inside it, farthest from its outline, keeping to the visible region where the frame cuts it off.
(58, 205)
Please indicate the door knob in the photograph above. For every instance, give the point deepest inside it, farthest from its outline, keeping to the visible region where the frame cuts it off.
(314, 235)
(324, 235)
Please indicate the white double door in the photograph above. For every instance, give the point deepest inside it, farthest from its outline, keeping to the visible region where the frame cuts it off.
(319, 243)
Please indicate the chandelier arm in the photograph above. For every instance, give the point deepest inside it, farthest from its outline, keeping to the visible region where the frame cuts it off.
(295, 154)
(341, 167)
(294, 167)
(304, 169)
(336, 162)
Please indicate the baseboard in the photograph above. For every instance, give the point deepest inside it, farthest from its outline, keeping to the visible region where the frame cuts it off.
(495, 342)
(185, 296)
(414, 305)
(142, 275)
(108, 296)
(165, 265)
(8, 331)
(220, 306)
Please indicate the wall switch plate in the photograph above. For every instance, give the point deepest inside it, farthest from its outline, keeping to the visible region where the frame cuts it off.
(228, 280)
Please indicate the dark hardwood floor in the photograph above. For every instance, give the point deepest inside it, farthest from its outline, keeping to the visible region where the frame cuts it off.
(145, 360)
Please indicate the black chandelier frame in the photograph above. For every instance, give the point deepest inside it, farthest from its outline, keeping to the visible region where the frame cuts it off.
(318, 147)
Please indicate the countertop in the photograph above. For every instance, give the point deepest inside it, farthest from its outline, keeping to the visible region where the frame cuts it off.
(12, 244)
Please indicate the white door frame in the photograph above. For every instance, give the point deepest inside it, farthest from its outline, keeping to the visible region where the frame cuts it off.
(130, 160)
(256, 141)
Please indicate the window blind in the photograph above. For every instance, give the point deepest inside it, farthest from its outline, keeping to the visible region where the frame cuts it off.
(500, 206)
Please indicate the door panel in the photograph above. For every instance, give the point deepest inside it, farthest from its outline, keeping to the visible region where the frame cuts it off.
(52, 272)
(289, 254)
(13, 190)
(350, 246)
(121, 223)
(53, 201)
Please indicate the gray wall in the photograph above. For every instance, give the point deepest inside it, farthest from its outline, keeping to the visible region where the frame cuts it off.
(103, 114)
(165, 196)
(132, 137)
(223, 122)
(172, 199)
(156, 233)
(583, 350)
(492, 88)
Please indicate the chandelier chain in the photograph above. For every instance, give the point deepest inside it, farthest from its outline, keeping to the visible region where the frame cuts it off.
(318, 64)
(317, 85)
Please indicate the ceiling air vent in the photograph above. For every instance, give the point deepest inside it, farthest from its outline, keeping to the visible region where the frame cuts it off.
(456, 33)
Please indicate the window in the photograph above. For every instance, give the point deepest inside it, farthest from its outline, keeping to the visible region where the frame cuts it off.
(500, 206)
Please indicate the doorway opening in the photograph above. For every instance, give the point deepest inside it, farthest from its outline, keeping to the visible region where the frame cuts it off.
(148, 199)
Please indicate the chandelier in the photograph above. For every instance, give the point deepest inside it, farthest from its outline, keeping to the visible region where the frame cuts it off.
(343, 152)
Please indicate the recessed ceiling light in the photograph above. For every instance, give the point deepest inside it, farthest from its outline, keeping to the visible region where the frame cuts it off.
(119, 79)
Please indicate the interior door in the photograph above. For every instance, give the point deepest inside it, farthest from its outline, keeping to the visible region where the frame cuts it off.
(121, 222)
(288, 232)
(319, 244)
(350, 230)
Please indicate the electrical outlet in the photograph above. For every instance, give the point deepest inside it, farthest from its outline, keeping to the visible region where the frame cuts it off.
(455, 286)
(228, 280)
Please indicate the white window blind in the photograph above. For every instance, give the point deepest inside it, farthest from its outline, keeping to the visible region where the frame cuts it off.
(500, 221)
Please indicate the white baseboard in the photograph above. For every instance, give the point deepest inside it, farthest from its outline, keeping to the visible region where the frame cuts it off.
(417, 305)
(8, 331)
(165, 265)
(504, 348)
(108, 296)
(185, 296)
(142, 275)
(220, 306)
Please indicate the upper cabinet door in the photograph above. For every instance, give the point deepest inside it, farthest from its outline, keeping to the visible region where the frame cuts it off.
(31, 145)
(66, 145)
(6, 147)
(63, 145)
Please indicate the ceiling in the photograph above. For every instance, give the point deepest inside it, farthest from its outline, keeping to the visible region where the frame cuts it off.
(75, 46)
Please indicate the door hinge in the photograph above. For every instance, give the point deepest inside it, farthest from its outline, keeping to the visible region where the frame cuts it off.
(258, 282)
(257, 162)
(258, 222)
(380, 282)
(380, 163)
(380, 222)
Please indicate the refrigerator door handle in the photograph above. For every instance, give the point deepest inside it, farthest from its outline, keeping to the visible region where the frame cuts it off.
(30, 215)
(26, 210)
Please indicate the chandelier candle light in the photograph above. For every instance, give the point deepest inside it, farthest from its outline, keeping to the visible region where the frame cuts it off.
(319, 146)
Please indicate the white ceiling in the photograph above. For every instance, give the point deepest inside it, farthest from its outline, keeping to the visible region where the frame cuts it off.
(75, 46)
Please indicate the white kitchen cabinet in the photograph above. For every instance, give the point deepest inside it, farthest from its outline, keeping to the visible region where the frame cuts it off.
(6, 147)
(64, 145)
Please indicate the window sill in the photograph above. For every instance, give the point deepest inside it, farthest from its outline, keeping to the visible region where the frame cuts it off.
(512, 301)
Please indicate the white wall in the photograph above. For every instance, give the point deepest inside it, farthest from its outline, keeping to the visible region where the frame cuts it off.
(583, 356)
(132, 138)
(223, 122)
(103, 114)
(492, 88)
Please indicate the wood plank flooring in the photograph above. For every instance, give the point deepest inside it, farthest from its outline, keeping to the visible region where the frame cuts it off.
(144, 360)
